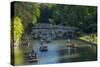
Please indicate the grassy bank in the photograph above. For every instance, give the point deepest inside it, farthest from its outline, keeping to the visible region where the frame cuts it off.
(90, 38)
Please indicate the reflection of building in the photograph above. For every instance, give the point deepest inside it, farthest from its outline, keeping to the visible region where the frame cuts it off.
(45, 30)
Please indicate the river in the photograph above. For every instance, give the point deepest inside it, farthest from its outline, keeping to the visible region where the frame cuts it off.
(59, 53)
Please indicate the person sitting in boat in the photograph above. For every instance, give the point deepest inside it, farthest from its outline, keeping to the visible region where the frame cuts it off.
(71, 44)
(33, 53)
(33, 56)
(41, 42)
(43, 47)
(74, 45)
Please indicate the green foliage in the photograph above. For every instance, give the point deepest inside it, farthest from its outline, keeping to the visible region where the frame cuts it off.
(18, 57)
(34, 19)
(36, 10)
(91, 38)
(77, 16)
(82, 17)
(18, 29)
(28, 12)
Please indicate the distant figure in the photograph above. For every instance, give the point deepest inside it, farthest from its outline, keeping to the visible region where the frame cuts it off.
(33, 56)
(29, 44)
(69, 40)
(41, 42)
(43, 47)
(72, 44)
(33, 53)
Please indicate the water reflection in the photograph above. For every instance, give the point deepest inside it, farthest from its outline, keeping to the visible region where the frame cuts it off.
(58, 52)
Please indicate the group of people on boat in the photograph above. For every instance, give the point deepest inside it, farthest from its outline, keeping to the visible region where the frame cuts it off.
(44, 47)
(71, 44)
(33, 55)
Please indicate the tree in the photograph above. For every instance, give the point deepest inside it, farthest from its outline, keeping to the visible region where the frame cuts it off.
(75, 15)
(17, 31)
(27, 12)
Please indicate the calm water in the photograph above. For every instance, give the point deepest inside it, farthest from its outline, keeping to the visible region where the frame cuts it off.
(59, 53)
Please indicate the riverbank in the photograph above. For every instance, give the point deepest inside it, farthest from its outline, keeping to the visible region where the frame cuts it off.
(89, 38)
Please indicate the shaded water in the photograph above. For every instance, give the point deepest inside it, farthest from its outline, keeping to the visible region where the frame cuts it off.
(59, 53)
